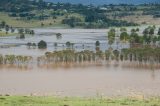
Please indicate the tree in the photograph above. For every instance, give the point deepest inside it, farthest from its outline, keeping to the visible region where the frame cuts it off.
(72, 21)
(21, 32)
(116, 54)
(147, 39)
(58, 36)
(111, 36)
(29, 45)
(33, 45)
(42, 45)
(146, 31)
(124, 36)
(7, 28)
(68, 44)
(123, 29)
(135, 38)
(3, 24)
(32, 32)
(97, 43)
(133, 30)
(151, 31)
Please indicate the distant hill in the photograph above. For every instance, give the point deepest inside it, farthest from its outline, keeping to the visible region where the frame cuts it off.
(17, 5)
(101, 2)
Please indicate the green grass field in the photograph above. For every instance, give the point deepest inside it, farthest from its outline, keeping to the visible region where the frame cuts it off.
(4, 34)
(70, 101)
(14, 22)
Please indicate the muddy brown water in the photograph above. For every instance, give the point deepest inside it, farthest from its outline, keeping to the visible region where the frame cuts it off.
(69, 81)
(81, 81)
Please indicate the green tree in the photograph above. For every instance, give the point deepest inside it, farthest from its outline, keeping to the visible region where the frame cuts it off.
(111, 36)
(7, 28)
(42, 45)
(123, 29)
(58, 36)
(97, 43)
(68, 44)
(3, 24)
(124, 36)
(146, 31)
(151, 31)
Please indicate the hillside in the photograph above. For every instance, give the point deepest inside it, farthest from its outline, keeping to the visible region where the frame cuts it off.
(101, 2)
(48, 14)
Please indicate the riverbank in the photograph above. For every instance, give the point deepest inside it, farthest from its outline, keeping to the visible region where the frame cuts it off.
(75, 101)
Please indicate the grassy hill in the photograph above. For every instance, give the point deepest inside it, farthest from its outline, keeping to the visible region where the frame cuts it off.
(26, 13)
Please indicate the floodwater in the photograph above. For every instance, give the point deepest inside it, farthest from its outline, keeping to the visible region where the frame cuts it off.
(84, 81)
(73, 81)
(79, 37)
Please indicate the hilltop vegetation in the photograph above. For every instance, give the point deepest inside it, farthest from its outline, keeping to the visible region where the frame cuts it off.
(37, 13)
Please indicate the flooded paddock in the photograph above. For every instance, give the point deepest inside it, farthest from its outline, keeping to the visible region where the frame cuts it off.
(80, 81)
(107, 80)
(83, 39)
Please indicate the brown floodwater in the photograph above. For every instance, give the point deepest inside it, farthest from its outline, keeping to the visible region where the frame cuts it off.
(80, 81)
(73, 81)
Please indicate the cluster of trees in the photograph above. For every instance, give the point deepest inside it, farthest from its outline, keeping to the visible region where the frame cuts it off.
(31, 45)
(43, 45)
(69, 56)
(71, 21)
(58, 36)
(155, 13)
(15, 60)
(94, 19)
(141, 56)
(148, 37)
(18, 6)
(94, 16)
(4, 25)
(23, 31)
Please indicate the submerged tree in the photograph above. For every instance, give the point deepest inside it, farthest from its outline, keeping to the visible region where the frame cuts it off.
(21, 32)
(111, 36)
(59, 36)
(42, 45)
(124, 37)
(68, 44)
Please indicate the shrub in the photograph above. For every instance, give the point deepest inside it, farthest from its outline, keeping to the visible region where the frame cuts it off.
(42, 45)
